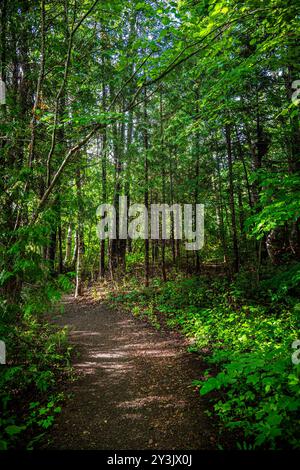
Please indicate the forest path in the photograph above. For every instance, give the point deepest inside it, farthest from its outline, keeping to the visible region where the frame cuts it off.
(134, 388)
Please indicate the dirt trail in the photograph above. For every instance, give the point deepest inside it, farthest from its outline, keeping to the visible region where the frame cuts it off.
(134, 390)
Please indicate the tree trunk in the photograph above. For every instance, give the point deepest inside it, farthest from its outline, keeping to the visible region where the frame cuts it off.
(68, 246)
(104, 201)
(162, 150)
(146, 190)
(80, 242)
(231, 201)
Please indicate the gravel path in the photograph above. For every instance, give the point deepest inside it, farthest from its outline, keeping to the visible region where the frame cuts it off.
(134, 390)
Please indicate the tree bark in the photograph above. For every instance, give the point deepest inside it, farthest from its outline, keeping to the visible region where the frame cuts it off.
(146, 190)
(231, 200)
(80, 242)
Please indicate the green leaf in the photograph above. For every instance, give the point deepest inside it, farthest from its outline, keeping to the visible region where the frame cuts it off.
(13, 429)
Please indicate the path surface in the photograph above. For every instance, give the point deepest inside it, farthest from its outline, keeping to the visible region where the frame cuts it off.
(134, 390)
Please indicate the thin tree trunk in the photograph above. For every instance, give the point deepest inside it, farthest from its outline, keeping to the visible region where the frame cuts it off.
(80, 243)
(220, 211)
(68, 246)
(196, 193)
(60, 250)
(104, 201)
(162, 150)
(74, 257)
(146, 190)
(231, 201)
(172, 202)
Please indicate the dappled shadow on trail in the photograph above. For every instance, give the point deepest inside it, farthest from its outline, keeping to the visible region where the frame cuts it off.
(134, 388)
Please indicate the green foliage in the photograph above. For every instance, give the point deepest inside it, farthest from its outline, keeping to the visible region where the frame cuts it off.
(279, 202)
(38, 357)
(282, 283)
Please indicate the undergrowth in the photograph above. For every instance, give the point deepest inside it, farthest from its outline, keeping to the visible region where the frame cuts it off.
(37, 361)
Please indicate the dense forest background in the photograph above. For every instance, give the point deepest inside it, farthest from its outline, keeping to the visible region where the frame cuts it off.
(164, 102)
